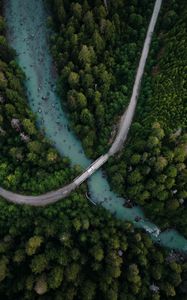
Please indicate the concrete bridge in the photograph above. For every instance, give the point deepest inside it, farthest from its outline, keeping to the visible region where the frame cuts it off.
(91, 169)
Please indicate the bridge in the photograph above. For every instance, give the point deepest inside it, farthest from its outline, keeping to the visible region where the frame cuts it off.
(91, 169)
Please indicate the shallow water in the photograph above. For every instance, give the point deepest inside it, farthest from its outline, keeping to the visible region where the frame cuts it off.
(28, 35)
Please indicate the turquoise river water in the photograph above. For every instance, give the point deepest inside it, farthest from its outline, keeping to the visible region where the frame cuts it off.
(28, 35)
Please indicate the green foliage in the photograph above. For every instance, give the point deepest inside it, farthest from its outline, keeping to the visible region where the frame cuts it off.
(27, 162)
(33, 244)
(71, 250)
(156, 180)
(165, 94)
(155, 158)
(97, 53)
(49, 256)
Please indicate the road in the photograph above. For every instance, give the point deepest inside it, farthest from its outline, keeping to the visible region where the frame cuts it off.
(128, 115)
(53, 196)
(124, 126)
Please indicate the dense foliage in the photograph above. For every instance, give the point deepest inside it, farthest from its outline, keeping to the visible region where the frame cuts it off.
(152, 172)
(164, 93)
(96, 52)
(27, 161)
(70, 251)
(152, 169)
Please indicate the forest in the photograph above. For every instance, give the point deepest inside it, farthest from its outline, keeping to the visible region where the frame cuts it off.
(28, 163)
(72, 250)
(151, 174)
(152, 167)
(96, 53)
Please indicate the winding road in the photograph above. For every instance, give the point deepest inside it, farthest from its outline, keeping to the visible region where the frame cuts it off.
(125, 123)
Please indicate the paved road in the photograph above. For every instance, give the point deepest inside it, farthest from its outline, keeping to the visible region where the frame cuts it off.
(124, 126)
(54, 196)
(128, 115)
(106, 4)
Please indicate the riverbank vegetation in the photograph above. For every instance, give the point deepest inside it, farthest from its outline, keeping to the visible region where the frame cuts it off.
(152, 173)
(72, 251)
(152, 168)
(96, 52)
(28, 163)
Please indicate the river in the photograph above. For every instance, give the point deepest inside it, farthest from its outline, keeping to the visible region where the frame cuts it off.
(28, 35)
